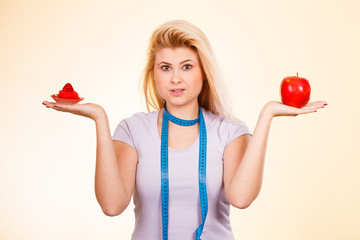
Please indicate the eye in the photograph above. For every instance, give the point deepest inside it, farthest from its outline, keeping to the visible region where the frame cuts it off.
(187, 67)
(165, 67)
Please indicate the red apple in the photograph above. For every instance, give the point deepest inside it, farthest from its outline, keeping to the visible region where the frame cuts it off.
(295, 91)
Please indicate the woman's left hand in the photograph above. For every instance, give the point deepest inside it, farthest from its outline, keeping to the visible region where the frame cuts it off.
(276, 108)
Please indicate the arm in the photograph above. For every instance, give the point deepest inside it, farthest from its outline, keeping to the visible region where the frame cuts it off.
(115, 160)
(244, 157)
(115, 170)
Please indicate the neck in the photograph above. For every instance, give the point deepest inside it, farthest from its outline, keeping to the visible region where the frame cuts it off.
(186, 112)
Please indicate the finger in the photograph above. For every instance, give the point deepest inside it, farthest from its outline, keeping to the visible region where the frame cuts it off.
(59, 109)
(321, 104)
(306, 111)
(317, 104)
(63, 107)
(314, 107)
(310, 108)
(48, 104)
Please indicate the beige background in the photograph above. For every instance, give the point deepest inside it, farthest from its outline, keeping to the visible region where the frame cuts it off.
(47, 159)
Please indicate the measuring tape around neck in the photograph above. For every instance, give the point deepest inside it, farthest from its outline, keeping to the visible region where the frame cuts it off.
(165, 169)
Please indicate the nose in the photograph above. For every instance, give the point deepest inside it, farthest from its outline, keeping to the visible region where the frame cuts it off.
(176, 77)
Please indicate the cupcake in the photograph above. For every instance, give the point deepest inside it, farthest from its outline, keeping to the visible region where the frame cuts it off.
(67, 95)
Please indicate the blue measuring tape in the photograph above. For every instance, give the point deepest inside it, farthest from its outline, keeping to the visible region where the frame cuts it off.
(165, 169)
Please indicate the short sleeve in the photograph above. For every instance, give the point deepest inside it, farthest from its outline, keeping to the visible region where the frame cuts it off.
(123, 133)
(231, 129)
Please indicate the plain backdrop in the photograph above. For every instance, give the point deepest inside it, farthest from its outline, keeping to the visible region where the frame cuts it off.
(47, 158)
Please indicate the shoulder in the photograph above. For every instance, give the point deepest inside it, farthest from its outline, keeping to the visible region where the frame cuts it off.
(139, 118)
(224, 128)
(138, 122)
(136, 127)
(216, 120)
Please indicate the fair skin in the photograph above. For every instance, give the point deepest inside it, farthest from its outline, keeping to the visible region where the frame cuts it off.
(243, 158)
(179, 68)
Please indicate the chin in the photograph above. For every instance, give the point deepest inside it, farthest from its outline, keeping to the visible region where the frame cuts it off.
(179, 102)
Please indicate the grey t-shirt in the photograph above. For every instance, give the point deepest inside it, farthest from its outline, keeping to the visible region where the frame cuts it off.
(140, 131)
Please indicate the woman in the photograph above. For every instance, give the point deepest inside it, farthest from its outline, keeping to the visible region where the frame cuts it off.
(188, 160)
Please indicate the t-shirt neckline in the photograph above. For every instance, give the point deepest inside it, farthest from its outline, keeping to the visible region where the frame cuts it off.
(158, 138)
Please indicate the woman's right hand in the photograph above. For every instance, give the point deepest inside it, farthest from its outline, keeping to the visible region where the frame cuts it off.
(89, 110)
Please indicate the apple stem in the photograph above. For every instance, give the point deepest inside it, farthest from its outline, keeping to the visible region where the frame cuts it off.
(297, 74)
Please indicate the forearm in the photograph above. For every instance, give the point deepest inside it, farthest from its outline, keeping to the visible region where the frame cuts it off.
(246, 182)
(109, 187)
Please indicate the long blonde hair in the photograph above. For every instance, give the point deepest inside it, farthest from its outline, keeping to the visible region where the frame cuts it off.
(180, 33)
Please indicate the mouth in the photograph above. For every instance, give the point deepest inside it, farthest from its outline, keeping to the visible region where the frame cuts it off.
(177, 90)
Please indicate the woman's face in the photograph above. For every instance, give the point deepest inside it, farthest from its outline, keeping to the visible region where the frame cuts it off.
(178, 75)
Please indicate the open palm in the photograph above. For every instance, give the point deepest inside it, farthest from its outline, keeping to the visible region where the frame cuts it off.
(277, 108)
(90, 110)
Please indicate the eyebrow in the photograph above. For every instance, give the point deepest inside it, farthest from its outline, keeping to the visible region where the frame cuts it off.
(180, 62)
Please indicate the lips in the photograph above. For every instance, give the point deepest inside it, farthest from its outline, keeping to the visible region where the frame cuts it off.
(177, 90)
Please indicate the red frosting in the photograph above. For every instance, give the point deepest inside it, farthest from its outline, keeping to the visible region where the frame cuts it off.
(68, 92)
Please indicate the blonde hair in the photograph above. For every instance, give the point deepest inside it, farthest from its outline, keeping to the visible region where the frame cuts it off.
(180, 33)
